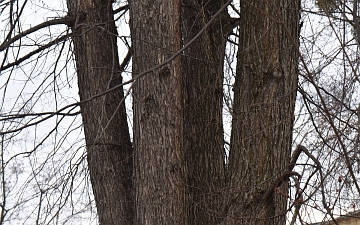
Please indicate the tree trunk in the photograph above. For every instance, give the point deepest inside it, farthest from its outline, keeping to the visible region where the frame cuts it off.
(202, 67)
(264, 101)
(109, 150)
(158, 113)
(179, 166)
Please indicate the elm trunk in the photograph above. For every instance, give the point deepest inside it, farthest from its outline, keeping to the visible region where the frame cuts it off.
(158, 113)
(202, 66)
(109, 149)
(264, 101)
(179, 167)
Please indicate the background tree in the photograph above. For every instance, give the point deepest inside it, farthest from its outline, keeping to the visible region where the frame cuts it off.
(328, 101)
(172, 160)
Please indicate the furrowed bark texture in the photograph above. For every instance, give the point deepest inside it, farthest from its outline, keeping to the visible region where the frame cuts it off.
(264, 99)
(158, 113)
(202, 67)
(109, 150)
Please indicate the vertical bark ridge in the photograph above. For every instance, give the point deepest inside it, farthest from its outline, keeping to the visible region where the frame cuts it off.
(158, 113)
(264, 101)
(203, 66)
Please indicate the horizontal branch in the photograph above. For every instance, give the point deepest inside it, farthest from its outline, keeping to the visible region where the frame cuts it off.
(19, 116)
(71, 106)
(65, 20)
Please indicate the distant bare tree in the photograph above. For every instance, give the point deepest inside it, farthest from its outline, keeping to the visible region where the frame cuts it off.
(328, 103)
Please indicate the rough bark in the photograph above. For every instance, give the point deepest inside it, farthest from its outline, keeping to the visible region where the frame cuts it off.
(202, 67)
(264, 101)
(158, 113)
(178, 174)
(109, 150)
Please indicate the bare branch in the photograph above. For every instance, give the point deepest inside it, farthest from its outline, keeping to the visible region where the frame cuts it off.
(65, 20)
(170, 59)
(18, 116)
(126, 60)
(27, 56)
(125, 7)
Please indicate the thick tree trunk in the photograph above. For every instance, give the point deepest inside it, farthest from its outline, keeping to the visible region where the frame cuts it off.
(179, 167)
(158, 113)
(109, 150)
(264, 101)
(202, 67)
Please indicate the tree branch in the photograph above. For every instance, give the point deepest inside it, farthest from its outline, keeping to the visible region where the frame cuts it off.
(65, 20)
(27, 56)
(125, 7)
(19, 116)
(135, 77)
(126, 60)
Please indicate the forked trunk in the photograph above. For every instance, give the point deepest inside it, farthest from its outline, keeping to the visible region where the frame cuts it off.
(178, 172)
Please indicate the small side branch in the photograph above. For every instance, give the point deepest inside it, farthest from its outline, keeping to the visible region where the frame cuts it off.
(285, 177)
(27, 56)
